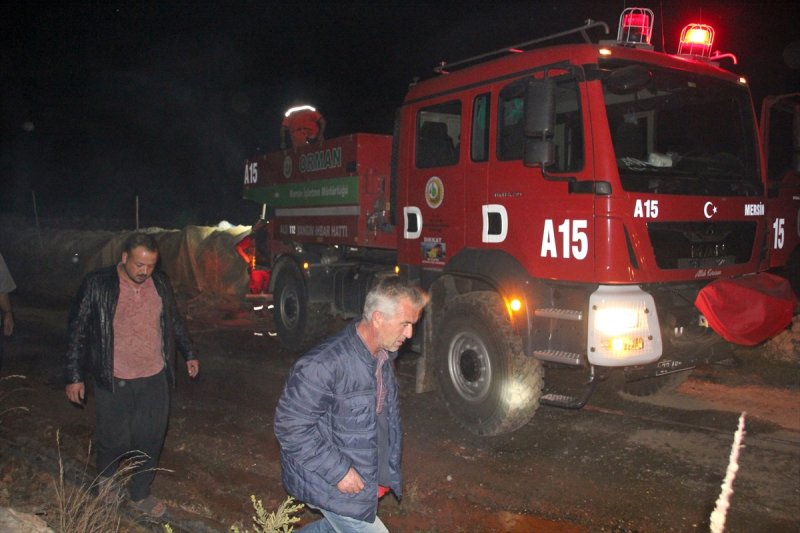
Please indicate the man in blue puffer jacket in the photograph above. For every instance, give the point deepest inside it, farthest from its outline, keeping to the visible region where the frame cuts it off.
(338, 418)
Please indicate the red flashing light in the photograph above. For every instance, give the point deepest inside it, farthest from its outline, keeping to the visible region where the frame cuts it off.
(640, 20)
(696, 40)
(698, 36)
(635, 26)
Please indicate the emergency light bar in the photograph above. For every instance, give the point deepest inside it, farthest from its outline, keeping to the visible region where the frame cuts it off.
(696, 40)
(635, 26)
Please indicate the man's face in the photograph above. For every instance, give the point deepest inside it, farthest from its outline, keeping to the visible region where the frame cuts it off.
(139, 264)
(394, 330)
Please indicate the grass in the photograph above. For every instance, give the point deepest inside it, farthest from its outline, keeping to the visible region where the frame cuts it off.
(93, 504)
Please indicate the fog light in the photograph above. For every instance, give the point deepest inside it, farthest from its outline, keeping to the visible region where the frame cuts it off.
(622, 345)
(623, 327)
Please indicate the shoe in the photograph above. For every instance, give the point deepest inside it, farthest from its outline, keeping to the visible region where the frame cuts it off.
(150, 506)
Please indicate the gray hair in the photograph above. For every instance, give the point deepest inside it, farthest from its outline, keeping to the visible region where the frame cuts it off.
(385, 295)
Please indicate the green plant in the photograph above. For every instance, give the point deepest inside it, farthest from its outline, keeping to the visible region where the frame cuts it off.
(278, 522)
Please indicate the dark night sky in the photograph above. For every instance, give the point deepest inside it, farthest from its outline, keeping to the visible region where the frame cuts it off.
(103, 101)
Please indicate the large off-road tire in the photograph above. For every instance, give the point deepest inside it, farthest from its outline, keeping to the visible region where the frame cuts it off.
(487, 382)
(653, 385)
(299, 324)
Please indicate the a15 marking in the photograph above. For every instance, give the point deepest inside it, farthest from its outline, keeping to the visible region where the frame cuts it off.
(646, 209)
(574, 241)
(250, 173)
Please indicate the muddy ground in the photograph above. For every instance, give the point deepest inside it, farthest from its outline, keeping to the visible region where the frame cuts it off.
(620, 464)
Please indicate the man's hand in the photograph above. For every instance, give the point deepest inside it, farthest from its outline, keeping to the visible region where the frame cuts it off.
(193, 366)
(75, 393)
(351, 483)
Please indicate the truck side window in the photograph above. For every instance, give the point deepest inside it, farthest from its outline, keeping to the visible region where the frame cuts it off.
(479, 140)
(438, 135)
(568, 135)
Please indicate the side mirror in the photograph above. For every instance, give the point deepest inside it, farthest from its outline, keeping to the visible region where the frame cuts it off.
(540, 120)
(539, 153)
(540, 108)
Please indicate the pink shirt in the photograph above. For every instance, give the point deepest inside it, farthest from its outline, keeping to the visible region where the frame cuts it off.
(137, 331)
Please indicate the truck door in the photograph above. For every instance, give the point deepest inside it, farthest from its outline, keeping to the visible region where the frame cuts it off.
(544, 219)
(434, 217)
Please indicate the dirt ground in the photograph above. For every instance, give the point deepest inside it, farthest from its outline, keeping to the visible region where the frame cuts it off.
(619, 464)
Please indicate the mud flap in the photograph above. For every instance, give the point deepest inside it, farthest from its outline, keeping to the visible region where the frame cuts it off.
(747, 310)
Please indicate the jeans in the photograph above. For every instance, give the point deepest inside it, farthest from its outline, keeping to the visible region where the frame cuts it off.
(334, 523)
(132, 418)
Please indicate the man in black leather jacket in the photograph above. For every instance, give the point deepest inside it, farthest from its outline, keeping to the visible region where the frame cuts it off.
(123, 331)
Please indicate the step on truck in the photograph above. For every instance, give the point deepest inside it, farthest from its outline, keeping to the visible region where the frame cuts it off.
(598, 206)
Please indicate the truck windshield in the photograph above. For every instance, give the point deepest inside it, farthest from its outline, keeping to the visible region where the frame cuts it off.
(680, 133)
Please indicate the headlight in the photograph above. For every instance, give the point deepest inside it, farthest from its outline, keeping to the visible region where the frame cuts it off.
(613, 321)
(623, 327)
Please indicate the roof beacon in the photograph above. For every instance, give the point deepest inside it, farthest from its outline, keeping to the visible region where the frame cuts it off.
(635, 27)
(696, 40)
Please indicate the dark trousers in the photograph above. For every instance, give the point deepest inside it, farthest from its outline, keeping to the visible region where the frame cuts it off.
(132, 418)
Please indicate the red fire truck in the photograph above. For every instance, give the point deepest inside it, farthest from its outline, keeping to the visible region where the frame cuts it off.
(564, 206)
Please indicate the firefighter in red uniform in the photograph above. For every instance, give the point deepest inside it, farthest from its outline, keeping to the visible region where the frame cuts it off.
(304, 124)
(254, 249)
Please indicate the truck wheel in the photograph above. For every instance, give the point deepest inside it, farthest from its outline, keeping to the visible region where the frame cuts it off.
(487, 382)
(298, 323)
(654, 385)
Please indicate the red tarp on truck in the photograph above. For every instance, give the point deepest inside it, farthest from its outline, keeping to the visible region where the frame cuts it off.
(747, 310)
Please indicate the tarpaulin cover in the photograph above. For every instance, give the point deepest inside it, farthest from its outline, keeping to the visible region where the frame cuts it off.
(198, 259)
(747, 310)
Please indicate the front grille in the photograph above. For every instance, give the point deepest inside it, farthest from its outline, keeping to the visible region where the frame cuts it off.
(701, 244)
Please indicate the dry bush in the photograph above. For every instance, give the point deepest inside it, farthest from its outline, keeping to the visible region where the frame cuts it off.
(93, 505)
